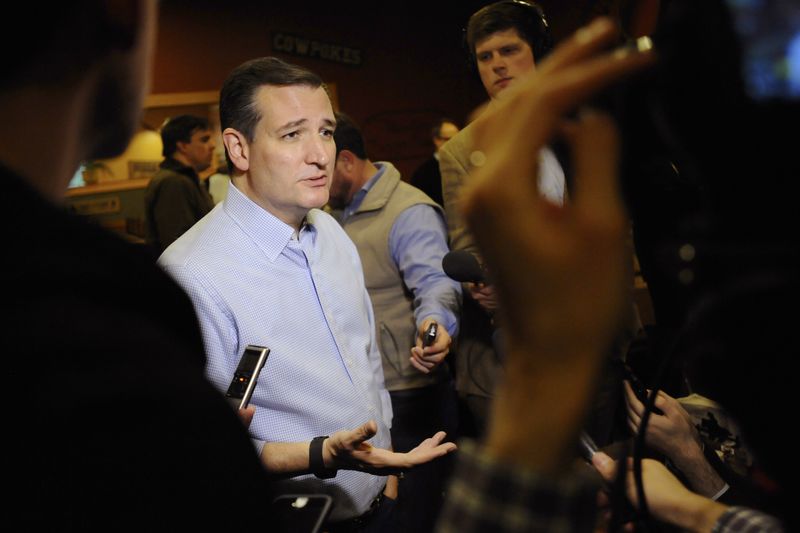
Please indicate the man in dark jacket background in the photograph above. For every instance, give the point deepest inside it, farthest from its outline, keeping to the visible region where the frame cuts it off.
(176, 198)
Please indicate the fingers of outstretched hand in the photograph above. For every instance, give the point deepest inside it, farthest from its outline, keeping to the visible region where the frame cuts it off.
(431, 448)
(434, 440)
(382, 461)
(352, 439)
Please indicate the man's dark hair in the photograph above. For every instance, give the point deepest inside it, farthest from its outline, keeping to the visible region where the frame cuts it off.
(525, 17)
(180, 129)
(237, 99)
(348, 136)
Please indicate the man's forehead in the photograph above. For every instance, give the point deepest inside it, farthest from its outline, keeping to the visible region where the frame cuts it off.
(448, 127)
(291, 103)
(505, 36)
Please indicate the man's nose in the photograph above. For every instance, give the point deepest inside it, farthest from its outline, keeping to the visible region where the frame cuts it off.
(318, 151)
(498, 63)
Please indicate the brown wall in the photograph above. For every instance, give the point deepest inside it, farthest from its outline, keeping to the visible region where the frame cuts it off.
(413, 68)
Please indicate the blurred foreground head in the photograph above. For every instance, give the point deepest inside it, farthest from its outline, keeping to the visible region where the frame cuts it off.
(94, 51)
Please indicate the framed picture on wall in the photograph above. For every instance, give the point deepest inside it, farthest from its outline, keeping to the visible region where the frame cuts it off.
(138, 170)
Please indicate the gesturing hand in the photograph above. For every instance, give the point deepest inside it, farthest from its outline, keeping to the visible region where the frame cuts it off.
(348, 450)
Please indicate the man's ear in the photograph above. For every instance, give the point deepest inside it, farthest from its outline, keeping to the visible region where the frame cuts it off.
(180, 147)
(238, 149)
(345, 161)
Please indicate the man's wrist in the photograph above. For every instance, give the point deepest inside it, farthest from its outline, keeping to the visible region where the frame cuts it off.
(316, 461)
(687, 455)
(698, 514)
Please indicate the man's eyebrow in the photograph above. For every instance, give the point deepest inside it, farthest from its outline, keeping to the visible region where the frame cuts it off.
(293, 124)
(329, 122)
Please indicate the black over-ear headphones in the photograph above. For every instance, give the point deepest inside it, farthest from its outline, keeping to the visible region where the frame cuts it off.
(526, 17)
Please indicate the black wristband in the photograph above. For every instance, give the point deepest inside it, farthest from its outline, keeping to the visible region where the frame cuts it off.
(315, 461)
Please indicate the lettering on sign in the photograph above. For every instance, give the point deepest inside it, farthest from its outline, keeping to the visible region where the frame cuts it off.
(305, 47)
(97, 206)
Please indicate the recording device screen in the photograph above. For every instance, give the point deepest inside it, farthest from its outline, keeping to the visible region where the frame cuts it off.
(769, 33)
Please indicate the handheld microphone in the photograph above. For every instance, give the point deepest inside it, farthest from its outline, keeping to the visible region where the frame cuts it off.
(463, 266)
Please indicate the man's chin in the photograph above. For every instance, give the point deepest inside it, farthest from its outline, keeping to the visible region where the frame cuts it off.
(319, 201)
(500, 91)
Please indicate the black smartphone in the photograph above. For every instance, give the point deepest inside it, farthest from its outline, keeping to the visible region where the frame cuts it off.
(299, 513)
(638, 388)
(246, 376)
(430, 334)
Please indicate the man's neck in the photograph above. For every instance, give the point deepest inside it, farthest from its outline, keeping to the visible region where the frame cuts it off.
(183, 160)
(364, 174)
(367, 172)
(240, 182)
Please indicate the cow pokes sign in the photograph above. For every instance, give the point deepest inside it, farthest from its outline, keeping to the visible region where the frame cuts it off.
(305, 47)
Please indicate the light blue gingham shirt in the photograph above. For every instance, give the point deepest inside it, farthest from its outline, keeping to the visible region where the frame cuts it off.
(251, 282)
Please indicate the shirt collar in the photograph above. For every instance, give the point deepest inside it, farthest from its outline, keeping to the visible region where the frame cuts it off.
(266, 230)
(359, 196)
(176, 166)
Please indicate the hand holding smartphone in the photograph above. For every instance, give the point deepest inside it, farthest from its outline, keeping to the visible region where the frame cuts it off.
(246, 376)
(430, 334)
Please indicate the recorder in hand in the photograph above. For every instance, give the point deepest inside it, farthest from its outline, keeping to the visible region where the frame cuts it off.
(246, 376)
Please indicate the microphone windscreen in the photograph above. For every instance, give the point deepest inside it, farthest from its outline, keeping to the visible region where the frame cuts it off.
(462, 266)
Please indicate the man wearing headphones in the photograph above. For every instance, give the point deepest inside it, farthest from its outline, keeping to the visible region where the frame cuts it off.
(505, 40)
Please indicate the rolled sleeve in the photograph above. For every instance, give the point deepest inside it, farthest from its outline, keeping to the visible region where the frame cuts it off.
(418, 242)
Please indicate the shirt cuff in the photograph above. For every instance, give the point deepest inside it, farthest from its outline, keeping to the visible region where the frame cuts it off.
(721, 491)
(449, 325)
(742, 519)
